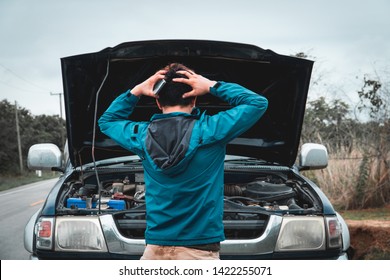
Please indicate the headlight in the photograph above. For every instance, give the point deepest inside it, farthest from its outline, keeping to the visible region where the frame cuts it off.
(301, 233)
(79, 234)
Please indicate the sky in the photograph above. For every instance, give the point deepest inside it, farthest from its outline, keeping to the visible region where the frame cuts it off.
(347, 39)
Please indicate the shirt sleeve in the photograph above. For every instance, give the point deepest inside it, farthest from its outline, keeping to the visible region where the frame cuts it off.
(115, 122)
(248, 108)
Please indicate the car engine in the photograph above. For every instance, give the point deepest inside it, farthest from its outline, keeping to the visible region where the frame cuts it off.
(268, 192)
(249, 200)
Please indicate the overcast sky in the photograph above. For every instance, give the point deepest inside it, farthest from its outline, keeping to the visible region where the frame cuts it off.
(346, 38)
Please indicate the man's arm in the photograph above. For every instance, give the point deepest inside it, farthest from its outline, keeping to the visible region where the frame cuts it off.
(115, 121)
(248, 108)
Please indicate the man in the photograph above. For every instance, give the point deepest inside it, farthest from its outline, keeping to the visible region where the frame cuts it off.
(183, 154)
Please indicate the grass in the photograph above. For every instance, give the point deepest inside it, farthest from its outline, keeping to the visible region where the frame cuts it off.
(11, 181)
(354, 180)
(369, 238)
(377, 254)
(380, 214)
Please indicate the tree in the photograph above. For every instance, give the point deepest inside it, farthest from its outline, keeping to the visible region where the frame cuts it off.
(374, 99)
(33, 130)
(328, 124)
(8, 145)
(358, 175)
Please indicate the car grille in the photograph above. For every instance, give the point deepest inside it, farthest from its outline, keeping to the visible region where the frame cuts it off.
(244, 225)
(239, 222)
(131, 224)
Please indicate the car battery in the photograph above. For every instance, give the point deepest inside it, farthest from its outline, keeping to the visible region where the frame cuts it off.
(78, 202)
(116, 204)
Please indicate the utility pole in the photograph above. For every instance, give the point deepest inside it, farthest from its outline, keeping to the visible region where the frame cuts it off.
(18, 137)
(60, 97)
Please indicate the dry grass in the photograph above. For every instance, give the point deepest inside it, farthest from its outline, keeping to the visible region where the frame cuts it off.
(353, 181)
(338, 181)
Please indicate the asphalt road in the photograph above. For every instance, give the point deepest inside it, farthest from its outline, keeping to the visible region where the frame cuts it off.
(16, 207)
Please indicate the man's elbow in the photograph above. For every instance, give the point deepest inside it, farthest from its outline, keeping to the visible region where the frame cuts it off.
(102, 123)
(262, 104)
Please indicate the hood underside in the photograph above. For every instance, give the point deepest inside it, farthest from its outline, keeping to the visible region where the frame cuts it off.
(92, 81)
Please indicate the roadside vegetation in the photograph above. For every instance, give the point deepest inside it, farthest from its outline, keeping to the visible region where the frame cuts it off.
(14, 146)
(357, 137)
(377, 214)
(11, 181)
(358, 174)
(357, 179)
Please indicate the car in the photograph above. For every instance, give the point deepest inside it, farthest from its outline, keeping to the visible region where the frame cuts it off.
(96, 210)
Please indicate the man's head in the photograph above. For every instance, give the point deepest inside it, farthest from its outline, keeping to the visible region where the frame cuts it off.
(171, 93)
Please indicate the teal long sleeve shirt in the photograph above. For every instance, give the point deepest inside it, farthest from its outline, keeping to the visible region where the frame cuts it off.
(184, 178)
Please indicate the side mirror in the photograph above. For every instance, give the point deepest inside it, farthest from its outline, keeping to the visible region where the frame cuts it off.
(313, 156)
(44, 157)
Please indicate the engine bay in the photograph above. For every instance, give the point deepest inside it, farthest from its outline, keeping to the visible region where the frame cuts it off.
(268, 192)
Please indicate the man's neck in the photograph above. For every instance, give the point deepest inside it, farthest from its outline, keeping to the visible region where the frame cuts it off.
(177, 108)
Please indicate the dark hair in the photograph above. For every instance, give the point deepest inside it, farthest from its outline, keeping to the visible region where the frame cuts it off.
(171, 93)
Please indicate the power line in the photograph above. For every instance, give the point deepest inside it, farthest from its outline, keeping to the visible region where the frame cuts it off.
(23, 79)
(21, 89)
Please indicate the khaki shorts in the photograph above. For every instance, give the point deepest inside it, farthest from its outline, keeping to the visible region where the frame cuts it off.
(156, 252)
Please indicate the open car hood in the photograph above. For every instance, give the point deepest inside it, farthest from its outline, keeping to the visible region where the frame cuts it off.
(92, 81)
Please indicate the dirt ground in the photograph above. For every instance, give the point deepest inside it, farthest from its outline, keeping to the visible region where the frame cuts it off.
(370, 239)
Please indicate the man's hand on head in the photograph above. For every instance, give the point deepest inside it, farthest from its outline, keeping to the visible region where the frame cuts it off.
(146, 87)
(200, 85)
